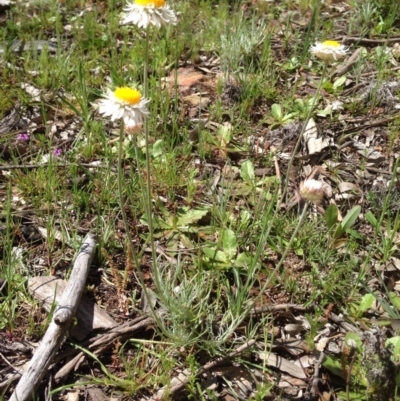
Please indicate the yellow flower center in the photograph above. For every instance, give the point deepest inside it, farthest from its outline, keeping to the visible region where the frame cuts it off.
(155, 3)
(331, 43)
(128, 95)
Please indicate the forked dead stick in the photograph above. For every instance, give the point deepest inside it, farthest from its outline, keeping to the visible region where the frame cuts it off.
(58, 328)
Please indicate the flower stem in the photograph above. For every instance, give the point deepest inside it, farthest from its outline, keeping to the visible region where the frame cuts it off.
(131, 252)
(296, 148)
(148, 202)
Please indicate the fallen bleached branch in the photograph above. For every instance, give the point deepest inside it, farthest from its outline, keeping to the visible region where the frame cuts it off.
(58, 328)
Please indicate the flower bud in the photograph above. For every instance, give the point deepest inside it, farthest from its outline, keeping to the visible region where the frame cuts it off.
(312, 191)
(396, 50)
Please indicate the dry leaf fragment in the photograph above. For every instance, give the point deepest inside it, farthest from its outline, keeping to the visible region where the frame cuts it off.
(284, 365)
(188, 80)
(348, 186)
(72, 395)
(293, 328)
(314, 144)
(90, 316)
(31, 91)
(287, 381)
(292, 345)
(321, 344)
(197, 100)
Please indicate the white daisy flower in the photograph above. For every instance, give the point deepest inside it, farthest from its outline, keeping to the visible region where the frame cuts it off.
(312, 191)
(330, 50)
(145, 12)
(126, 104)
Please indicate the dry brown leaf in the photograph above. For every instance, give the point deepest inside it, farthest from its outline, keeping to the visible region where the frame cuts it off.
(188, 80)
(90, 316)
(314, 144)
(282, 364)
(348, 186)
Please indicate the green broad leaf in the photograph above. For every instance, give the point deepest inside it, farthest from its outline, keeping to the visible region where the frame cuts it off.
(288, 117)
(333, 366)
(338, 232)
(299, 251)
(157, 149)
(245, 216)
(371, 220)
(243, 260)
(331, 216)
(158, 223)
(348, 221)
(186, 217)
(225, 134)
(355, 234)
(241, 189)
(395, 341)
(395, 323)
(276, 111)
(299, 102)
(130, 153)
(339, 82)
(351, 396)
(186, 242)
(229, 243)
(217, 256)
(324, 113)
(351, 217)
(395, 300)
(338, 243)
(328, 86)
(366, 302)
(247, 171)
(353, 340)
(312, 101)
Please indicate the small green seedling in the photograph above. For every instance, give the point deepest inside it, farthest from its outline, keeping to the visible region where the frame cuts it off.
(226, 254)
(339, 229)
(177, 227)
(278, 118)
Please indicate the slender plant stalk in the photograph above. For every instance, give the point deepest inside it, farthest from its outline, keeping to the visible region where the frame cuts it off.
(131, 250)
(296, 148)
(139, 273)
(148, 201)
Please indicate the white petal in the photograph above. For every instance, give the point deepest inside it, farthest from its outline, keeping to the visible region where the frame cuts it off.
(143, 16)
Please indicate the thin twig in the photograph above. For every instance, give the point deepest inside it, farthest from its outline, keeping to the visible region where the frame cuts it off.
(345, 66)
(282, 307)
(354, 130)
(277, 171)
(345, 325)
(363, 41)
(372, 73)
(19, 371)
(100, 342)
(212, 364)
